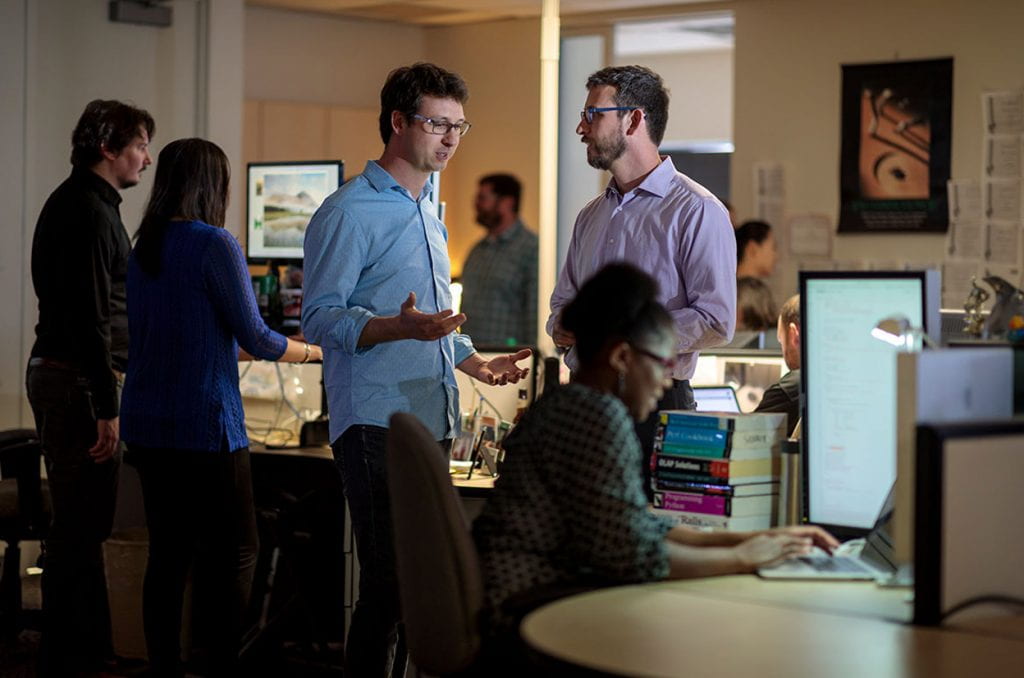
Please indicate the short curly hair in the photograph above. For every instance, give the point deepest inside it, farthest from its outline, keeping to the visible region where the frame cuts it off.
(110, 124)
(405, 88)
(640, 87)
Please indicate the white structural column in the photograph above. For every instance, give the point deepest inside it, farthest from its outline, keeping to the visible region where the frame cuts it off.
(548, 189)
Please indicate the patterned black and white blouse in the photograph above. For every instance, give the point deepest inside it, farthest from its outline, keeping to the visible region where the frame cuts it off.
(569, 507)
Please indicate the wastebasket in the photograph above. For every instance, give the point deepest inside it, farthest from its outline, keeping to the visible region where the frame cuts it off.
(126, 553)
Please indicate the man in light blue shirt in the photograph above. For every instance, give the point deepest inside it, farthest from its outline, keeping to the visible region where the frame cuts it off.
(375, 255)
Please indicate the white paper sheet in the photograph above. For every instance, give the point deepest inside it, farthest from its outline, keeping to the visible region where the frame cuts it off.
(810, 235)
(771, 211)
(1004, 243)
(1003, 112)
(1002, 199)
(965, 240)
(1001, 155)
(964, 200)
(769, 180)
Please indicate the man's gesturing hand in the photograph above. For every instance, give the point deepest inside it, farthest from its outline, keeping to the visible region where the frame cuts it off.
(500, 370)
(415, 324)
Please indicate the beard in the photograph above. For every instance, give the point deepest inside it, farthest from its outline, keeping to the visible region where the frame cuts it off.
(602, 153)
(488, 218)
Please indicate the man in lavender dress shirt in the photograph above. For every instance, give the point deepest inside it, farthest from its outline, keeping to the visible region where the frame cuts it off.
(655, 218)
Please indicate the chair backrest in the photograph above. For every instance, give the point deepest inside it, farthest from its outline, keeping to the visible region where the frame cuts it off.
(25, 517)
(439, 577)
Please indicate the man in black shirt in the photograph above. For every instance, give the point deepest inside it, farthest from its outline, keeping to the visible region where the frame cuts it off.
(79, 261)
(784, 396)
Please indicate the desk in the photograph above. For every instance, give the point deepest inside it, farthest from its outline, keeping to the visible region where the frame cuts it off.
(742, 626)
(301, 512)
(477, 487)
(313, 452)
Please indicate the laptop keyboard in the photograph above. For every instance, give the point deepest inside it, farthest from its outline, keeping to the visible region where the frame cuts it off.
(838, 564)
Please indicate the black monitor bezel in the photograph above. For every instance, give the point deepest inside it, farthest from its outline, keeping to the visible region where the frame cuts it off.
(272, 260)
(840, 531)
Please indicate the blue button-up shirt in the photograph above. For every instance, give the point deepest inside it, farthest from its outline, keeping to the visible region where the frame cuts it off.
(366, 248)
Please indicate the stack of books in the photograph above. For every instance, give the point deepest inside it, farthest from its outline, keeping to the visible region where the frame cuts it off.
(717, 470)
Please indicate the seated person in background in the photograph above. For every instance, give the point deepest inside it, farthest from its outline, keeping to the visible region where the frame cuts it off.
(755, 308)
(784, 396)
(569, 511)
(755, 315)
(755, 250)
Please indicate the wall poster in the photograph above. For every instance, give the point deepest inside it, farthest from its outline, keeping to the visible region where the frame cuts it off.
(896, 139)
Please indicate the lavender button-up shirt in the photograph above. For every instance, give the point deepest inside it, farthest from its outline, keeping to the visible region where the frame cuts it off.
(677, 231)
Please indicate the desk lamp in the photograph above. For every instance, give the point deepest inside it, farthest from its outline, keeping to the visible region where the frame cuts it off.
(897, 331)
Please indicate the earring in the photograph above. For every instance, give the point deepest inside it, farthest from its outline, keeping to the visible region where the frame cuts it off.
(620, 387)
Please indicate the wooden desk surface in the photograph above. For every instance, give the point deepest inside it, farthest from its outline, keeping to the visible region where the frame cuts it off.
(861, 598)
(478, 485)
(483, 483)
(702, 629)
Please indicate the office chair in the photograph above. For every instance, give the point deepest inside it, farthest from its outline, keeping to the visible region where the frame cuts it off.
(24, 514)
(439, 579)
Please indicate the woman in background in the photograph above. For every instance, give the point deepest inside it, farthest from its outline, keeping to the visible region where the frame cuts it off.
(755, 250)
(569, 510)
(190, 307)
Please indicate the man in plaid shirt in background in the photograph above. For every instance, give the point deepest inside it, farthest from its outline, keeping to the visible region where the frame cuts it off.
(499, 278)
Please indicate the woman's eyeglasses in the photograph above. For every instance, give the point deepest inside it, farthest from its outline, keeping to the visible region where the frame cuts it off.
(668, 363)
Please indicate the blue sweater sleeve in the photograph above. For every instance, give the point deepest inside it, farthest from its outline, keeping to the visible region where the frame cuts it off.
(227, 282)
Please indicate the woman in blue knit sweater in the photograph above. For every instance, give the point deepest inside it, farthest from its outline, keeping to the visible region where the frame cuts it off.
(190, 307)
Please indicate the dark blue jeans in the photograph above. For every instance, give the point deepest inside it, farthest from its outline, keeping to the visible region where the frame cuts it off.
(76, 612)
(372, 648)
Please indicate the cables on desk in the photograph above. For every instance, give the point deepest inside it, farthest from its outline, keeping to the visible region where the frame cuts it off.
(995, 599)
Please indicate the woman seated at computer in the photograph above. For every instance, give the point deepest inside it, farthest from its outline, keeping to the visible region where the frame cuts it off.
(755, 308)
(569, 510)
(190, 307)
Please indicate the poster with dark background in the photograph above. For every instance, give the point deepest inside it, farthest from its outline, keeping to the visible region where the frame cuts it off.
(896, 139)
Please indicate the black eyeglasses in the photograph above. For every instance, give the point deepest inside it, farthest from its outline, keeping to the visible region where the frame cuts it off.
(431, 126)
(587, 114)
(668, 363)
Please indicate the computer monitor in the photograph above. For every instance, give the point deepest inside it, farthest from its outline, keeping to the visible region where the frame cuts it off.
(716, 399)
(968, 554)
(282, 197)
(750, 372)
(850, 387)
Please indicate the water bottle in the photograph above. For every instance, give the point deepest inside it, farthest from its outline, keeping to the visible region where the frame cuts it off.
(790, 509)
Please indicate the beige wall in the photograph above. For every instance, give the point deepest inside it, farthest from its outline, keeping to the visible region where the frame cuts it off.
(59, 55)
(700, 84)
(317, 58)
(318, 67)
(501, 63)
(788, 57)
(285, 130)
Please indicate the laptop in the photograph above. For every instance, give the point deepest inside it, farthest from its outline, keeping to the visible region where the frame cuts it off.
(716, 399)
(874, 561)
